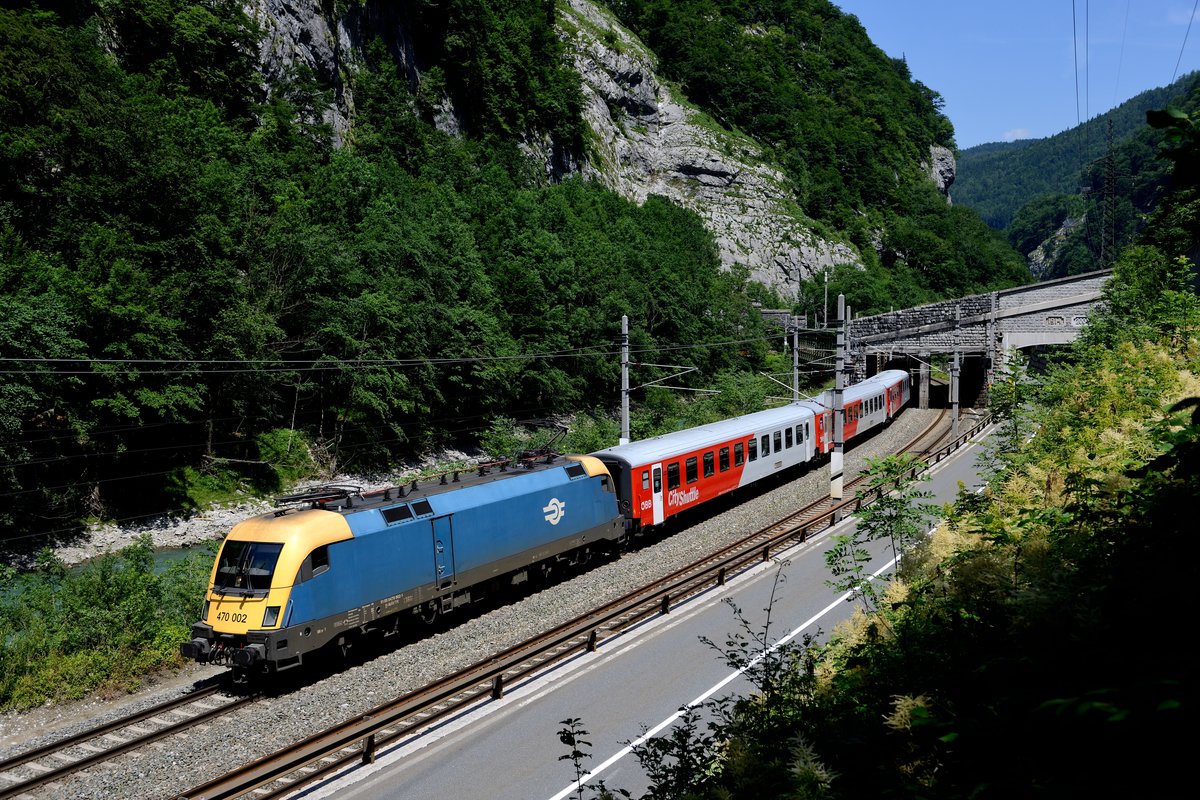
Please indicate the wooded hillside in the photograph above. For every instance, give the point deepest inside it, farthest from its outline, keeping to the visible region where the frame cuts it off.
(202, 290)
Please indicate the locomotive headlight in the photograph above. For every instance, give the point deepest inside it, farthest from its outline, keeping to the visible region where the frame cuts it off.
(271, 616)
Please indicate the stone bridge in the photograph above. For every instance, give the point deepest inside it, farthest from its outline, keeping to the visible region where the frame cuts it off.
(975, 330)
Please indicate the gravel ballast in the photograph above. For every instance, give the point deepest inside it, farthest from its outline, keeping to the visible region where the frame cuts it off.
(181, 762)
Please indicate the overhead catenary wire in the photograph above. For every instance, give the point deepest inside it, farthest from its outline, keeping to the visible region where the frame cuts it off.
(193, 367)
(1081, 154)
(1121, 57)
(356, 363)
(814, 363)
(1179, 60)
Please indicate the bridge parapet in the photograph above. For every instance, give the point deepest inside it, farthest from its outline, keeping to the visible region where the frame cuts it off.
(1052, 312)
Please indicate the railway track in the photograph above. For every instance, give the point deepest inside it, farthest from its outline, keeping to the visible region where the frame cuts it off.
(30, 770)
(357, 741)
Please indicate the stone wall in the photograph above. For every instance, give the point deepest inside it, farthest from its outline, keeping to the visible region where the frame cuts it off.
(1044, 313)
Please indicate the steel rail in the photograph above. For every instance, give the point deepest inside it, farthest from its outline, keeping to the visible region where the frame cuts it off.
(358, 739)
(45, 775)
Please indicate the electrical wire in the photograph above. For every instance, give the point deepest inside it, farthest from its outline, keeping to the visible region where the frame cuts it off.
(1079, 144)
(326, 366)
(1121, 57)
(1185, 38)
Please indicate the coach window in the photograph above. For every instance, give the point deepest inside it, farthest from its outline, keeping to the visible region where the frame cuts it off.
(764, 444)
(737, 453)
(799, 434)
(724, 458)
(708, 464)
(692, 476)
(787, 437)
(645, 479)
(754, 449)
(673, 475)
(778, 441)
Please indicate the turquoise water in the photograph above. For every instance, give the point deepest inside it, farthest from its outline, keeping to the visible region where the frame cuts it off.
(163, 560)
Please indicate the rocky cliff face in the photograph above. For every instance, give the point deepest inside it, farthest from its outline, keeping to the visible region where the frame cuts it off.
(302, 34)
(1041, 260)
(646, 139)
(941, 168)
(297, 33)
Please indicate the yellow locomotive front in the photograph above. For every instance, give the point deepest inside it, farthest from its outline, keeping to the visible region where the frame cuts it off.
(252, 579)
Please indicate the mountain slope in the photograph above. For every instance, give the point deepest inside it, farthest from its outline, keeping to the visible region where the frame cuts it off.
(996, 179)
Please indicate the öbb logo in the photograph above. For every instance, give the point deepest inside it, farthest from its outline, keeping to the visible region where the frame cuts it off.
(555, 511)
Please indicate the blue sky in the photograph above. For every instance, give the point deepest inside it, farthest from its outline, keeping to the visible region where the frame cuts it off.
(1006, 67)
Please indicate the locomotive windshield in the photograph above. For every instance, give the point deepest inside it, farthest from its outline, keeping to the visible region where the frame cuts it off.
(246, 567)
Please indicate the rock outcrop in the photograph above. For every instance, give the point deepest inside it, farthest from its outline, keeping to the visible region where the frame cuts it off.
(645, 138)
(1041, 260)
(941, 168)
(649, 141)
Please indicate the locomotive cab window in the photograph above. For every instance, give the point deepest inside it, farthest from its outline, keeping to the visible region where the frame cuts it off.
(692, 475)
(737, 453)
(673, 475)
(724, 459)
(708, 464)
(314, 564)
(246, 567)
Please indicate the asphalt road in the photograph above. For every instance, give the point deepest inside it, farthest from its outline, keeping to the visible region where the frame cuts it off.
(635, 683)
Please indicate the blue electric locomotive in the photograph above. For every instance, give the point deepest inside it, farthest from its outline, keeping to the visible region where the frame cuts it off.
(338, 563)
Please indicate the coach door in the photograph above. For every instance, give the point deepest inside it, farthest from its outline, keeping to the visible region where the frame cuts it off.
(656, 486)
(443, 551)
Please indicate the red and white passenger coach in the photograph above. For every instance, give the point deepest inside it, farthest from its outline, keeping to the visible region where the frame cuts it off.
(660, 477)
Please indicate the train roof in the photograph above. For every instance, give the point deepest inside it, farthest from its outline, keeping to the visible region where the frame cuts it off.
(873, 384)
(348, 499)
(645, 451)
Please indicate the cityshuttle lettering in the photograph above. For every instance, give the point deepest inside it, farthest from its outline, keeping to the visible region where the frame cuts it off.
(678, 498)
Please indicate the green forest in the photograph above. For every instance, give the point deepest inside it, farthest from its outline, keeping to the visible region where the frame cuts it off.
(204, 291)
(1029, 189)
